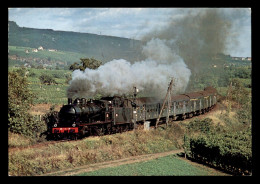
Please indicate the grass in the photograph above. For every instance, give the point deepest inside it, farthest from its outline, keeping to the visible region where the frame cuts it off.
(17, 140)
(170, 165)
(63, 155)
(51, 94)
(66, 56)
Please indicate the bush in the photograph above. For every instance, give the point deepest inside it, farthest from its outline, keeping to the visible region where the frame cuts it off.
(204, 125)
(17, 140)
(231, 151)
(58, 75)
(19, 100)
(50, 118)
(46, 79)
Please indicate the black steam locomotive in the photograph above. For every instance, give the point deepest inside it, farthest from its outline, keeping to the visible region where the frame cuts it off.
(117, 114)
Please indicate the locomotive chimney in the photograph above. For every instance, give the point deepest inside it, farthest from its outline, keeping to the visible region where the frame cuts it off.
(135, 93)
(69, 101)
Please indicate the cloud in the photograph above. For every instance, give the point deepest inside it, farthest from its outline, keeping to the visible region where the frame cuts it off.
(121, 22)
(94, 20)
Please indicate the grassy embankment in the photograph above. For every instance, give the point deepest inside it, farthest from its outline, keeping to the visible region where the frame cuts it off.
(54, 157)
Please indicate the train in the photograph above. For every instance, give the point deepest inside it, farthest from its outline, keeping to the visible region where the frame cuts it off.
(82, 117)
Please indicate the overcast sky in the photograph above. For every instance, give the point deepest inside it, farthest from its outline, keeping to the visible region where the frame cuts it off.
(124, 22)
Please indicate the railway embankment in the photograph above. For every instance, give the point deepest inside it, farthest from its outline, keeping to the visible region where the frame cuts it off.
(47, 157)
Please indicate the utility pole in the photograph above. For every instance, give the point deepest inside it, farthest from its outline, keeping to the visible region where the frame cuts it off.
(169, 108)
(168, 94)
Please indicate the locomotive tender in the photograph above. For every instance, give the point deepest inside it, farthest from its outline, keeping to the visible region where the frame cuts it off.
(117, 114)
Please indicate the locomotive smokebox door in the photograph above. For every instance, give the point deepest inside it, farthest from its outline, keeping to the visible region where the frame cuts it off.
(122, 115)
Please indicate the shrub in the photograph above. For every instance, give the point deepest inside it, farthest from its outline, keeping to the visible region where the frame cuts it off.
(51, 117)
(204, 125)
(17, 140)
(229, 150)
(19, 100)
(46, 79)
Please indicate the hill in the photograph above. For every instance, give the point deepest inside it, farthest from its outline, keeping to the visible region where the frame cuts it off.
(104, 48)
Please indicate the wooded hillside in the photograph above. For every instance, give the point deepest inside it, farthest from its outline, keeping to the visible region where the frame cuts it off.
(101, 47)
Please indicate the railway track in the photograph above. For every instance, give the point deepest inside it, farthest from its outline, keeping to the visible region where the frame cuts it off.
(140, 126)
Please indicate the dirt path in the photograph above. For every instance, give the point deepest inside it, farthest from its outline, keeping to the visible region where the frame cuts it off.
(97, 166)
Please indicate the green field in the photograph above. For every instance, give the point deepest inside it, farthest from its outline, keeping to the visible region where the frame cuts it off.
(170, 165)
(53, 94)
(51, 57)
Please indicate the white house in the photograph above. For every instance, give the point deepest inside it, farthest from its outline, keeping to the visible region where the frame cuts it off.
(52, 50)
(40, 48)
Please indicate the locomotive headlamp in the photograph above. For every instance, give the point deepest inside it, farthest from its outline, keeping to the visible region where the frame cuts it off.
(74, 124)
(55, 125)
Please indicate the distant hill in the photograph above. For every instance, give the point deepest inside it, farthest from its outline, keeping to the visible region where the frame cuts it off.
(104, 48)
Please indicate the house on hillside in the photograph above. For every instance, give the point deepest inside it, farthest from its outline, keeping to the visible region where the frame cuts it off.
(52, 50)
(242, 58)
(27, 65)
(248, 59)
(35, 50)
(236, 58)
(40, 48)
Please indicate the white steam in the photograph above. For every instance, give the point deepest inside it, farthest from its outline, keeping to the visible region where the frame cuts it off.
(118, 77)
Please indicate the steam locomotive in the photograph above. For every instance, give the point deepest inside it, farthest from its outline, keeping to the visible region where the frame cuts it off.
(118, 114)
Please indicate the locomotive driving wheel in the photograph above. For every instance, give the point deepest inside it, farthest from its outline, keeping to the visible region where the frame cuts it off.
(98, 130)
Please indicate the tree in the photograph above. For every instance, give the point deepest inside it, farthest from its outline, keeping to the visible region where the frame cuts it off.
(46, 79)
(239, 93)
(74, 66)
(19, 100)
(90, 63)
(68, 78)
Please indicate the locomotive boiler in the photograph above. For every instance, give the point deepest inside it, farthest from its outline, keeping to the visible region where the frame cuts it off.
(118, 114)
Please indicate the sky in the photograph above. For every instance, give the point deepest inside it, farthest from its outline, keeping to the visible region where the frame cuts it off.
(126, 22)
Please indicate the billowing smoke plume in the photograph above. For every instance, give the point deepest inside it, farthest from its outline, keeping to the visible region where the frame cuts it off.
(118, 77)
(199, 35)
(193, 38)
